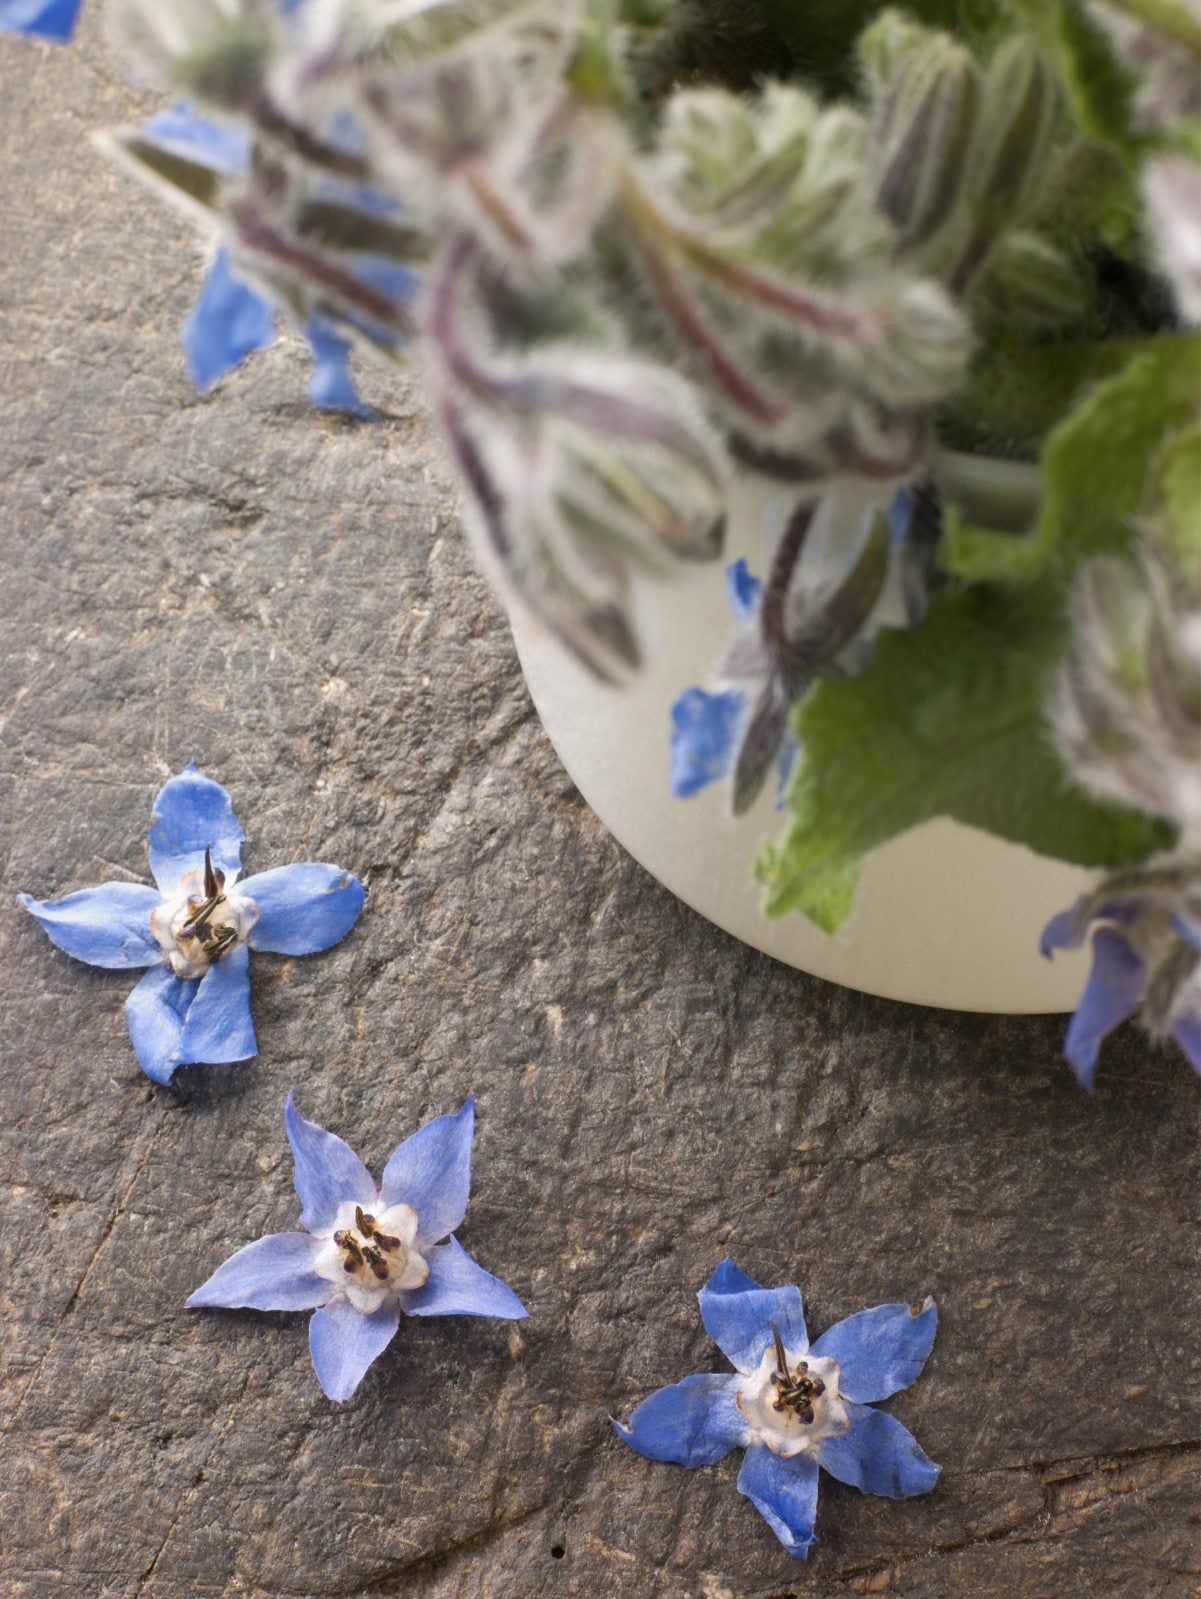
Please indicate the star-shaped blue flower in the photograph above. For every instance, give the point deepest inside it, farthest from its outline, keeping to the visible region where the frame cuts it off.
(48, 19)
(794, 1407)
(367, 1256)
(195, 930)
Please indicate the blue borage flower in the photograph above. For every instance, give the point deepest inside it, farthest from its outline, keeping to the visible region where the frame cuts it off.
(707, 724)
(1136, 940)
(231, 319)
(195, 930)
(365, 1255)
(48, 19)
(793, 1407)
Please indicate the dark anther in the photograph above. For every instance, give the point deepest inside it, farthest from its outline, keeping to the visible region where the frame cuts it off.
(214, 884)
(346, 1240)
(364, 1222)
(794, 1391)
(386, 1241)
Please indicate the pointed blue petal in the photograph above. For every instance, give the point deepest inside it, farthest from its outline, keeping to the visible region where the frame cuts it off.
(273, 1273)
(739, 1319)
(691, 1423)
(784, 1492)
(105, 926)
(219, 145)
(879, 1456)
(49, 19)
(331, 385)
(458, 1286)
(1186, 1030)
(192, 813)
(228, 322)
(155, 1011)
(703, 729)
(743, 590)
(881, 1350)
(328, 1172)
(1114, 989)
(1065, 931)
(303, 908)
(431, 1171)
(218, 1026)
(343, 1342)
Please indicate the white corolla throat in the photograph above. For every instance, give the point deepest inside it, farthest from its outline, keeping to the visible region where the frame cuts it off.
(792, 1401)
(203, 920)
(370, 1254)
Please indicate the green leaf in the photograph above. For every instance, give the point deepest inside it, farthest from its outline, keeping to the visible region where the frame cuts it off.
(1095, 465)
(945, 721)
(1176, 497)
(1100, 88)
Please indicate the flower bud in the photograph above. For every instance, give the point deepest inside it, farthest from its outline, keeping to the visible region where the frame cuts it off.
(215, 51)
(1030, 284)
(920, 137)
(1015, 131)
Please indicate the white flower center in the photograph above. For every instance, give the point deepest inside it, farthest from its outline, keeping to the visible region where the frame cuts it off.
(370, 1254)
(203, 920)
(793, 1409)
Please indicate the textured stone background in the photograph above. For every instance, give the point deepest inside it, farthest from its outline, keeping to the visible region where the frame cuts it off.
(286, 599)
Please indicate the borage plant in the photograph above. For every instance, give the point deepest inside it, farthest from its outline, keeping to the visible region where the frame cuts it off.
(932, 275)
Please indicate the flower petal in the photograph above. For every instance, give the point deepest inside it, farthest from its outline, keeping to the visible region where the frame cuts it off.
(704, 727)
(343, 1342)
(303, 908)
(156, 1011)
(784, 1492)
(273, 1273)
(739, 1317)
(328, 1172)
(1067, 929)
(49, 19)
(105, 926)
(218, 1026)
(691, 1423)
(229, 321)
(432, 1172)
(331, 385)
(879, 1456)
(192, 814)
(743, 590)
(1113, 991)
(458, 1286)
(218, 145)
(881, 1350)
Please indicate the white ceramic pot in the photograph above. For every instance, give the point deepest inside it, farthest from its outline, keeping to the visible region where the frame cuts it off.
(944, 916)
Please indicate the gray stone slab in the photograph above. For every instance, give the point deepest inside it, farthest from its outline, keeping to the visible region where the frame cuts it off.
(286, 598)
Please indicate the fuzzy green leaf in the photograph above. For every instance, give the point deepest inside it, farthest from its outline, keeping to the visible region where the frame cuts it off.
(1095, 464)
(945, 721)
(1099, 86)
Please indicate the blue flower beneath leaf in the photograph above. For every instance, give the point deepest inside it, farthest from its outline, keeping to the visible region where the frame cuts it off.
(793, 1406)
(367, 1256)
(48, 19)
(195, 930)
(1137, 937)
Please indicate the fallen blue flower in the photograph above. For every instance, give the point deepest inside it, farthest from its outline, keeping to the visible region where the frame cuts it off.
(195, 930)
(705, 725)
(1138, 938)
(793, 1407)
(48, 19)
(367, 1256)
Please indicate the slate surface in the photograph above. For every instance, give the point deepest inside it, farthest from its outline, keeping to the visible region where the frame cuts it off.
(287, 600)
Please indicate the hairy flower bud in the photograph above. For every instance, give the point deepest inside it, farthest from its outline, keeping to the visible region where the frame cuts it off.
(1126, 706)
(1015, 129)
(1030, 284)
(216, 51)
(920, 135)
